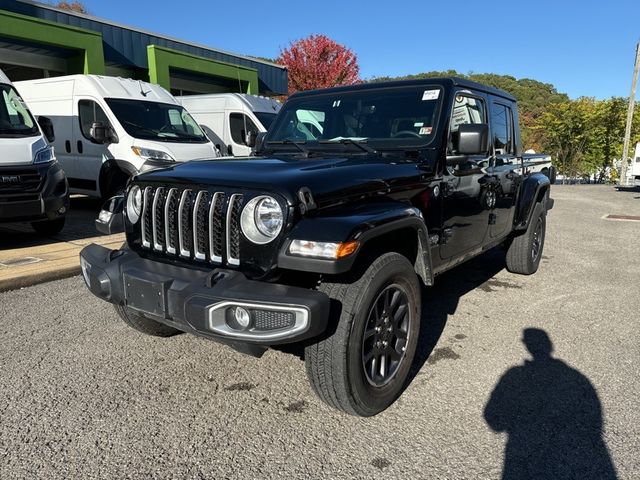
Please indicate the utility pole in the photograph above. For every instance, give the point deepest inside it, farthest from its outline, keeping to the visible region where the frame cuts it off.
(627, 131)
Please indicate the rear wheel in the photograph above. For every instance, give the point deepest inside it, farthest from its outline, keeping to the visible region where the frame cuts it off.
(362, 367)
(143, 324)
(525, 251)
(49, 227)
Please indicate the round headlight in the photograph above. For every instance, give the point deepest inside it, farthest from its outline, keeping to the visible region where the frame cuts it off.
(262, 219)
(134, 204)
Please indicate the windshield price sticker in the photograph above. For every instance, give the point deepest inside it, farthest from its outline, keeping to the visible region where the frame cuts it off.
(425, 131)
(430, 95)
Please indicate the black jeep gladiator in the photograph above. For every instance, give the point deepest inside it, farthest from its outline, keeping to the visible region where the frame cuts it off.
(355, 197)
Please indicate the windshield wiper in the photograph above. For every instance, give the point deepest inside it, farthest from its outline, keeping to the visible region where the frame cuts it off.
(350, 141)
(298, 145)
(140, 127)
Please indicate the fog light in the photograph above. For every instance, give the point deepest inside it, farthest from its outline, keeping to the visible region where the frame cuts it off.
(242, 317)
(86, 271)
(238, 318)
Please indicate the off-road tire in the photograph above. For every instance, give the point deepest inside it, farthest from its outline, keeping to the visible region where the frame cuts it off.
(143, 324)
(48, 228)
(335, 364)
(523, 256)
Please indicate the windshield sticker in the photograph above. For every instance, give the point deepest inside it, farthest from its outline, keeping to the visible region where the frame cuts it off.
(430, 95)
(425, 131)
(418, 124)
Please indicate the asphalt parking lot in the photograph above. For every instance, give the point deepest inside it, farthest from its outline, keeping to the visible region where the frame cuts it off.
(84, 396)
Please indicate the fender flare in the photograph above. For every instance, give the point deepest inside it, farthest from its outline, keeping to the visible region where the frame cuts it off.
(535, 188)
(362, 223)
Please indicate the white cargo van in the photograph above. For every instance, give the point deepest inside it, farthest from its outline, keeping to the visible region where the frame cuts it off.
(635, 167)
(109, 128)
(228, 117)
(33, 187)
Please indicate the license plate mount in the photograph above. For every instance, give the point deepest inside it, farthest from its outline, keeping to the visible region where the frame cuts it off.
(146, 295)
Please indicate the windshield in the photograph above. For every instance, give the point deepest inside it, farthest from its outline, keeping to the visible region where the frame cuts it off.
(15, 118)
(161, 122)
(266, 119)
(391, 117)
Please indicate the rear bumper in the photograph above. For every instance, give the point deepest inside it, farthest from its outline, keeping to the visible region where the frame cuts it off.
(204, 302)
(47, 200)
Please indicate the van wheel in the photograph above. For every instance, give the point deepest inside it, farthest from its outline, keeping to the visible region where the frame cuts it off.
(49, 227)
(362, 367)
(143, 324)
(114, 183)
(525, 251)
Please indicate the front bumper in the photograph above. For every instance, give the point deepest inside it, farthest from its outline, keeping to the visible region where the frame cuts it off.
(201, 302)
(22, 200)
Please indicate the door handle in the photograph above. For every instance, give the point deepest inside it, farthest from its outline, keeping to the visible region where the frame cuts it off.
(67, 146)
(79, 146)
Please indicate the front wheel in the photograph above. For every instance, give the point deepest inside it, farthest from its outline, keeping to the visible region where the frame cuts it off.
(48, 228)
(362, 367)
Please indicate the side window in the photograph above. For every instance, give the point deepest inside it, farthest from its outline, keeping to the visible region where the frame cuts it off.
(237, 127)
(89, 112)
(466, 109)
(502, 128)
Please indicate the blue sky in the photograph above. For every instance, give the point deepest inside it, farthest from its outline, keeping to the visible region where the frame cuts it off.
(583, 47)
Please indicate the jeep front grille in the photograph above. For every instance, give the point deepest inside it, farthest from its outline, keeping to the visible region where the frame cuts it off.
(192, 224)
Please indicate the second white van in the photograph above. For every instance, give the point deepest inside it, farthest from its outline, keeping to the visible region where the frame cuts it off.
(227, 118)
(110, 128)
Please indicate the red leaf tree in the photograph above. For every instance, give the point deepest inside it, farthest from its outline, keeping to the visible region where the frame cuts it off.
(319, 62)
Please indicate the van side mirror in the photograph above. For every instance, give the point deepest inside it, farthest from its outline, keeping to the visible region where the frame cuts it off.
(101, 133)
(472, 139)
(250, 139)
(259, 142)
(47, 128)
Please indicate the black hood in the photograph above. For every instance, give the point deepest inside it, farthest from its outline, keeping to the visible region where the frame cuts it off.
(331, 179)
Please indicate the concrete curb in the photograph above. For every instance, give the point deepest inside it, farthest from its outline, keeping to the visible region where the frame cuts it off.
(53, 261)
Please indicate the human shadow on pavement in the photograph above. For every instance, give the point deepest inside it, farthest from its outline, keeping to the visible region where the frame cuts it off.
(553, 417)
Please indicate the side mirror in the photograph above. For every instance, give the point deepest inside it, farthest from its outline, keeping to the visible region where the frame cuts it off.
(259, 142)
(250, 139)
(473, 139)
(101, 133)
(111, 220)
(47, 128)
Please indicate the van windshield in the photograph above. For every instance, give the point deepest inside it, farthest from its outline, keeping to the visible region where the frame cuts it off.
(15, 118)
(266, 119)
(387, 117)
(161, 122)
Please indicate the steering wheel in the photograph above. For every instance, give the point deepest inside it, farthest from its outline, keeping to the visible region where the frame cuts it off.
(406, 133)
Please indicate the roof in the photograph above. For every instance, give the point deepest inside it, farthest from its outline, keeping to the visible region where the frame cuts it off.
(127, 46)
(443, 81)
(255, 103)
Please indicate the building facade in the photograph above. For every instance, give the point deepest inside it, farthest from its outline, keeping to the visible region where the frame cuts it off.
(38, 40)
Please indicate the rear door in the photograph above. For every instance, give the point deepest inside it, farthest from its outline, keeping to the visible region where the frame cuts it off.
(504, 167)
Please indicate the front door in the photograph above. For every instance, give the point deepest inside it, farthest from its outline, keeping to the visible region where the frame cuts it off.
(90, 155)
(239, 125)
(465, 210)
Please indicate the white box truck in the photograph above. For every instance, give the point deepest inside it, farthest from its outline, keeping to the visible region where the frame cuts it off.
(228, 117)
(110, 128)
(33, 187)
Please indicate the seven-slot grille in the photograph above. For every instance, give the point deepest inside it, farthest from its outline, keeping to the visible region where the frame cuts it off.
(192, 224)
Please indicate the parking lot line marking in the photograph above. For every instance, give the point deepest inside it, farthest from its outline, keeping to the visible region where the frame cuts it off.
(623, 218)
